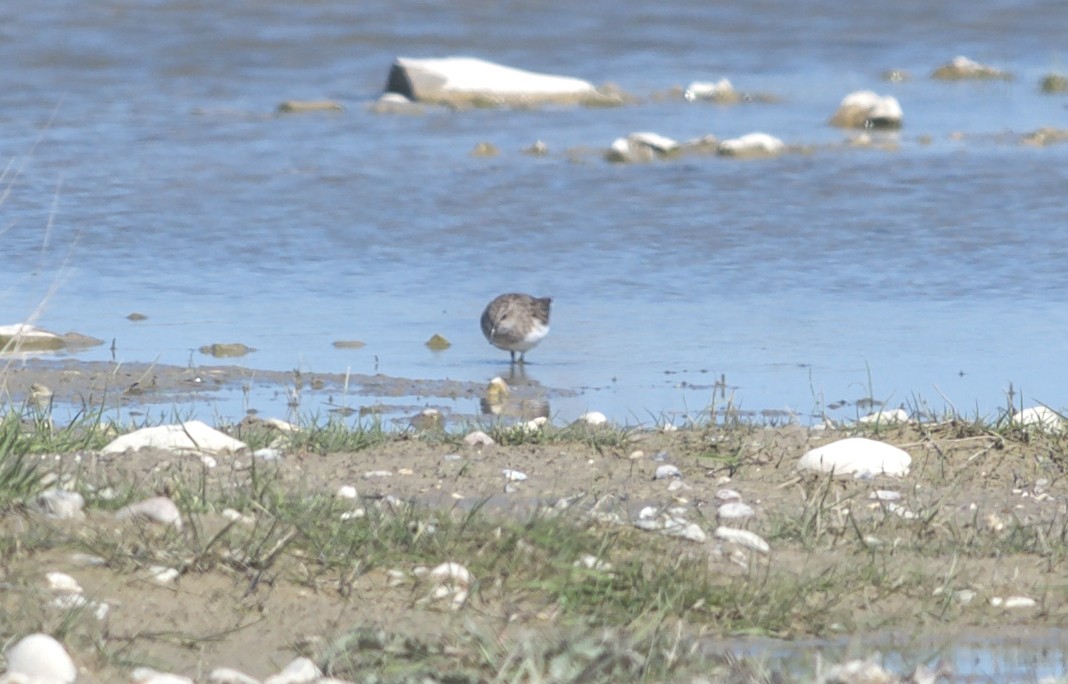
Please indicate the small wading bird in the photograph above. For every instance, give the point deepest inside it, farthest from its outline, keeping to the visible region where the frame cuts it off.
(516, 322)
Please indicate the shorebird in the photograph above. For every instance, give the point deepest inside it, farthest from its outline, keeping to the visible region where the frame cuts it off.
(516, 322)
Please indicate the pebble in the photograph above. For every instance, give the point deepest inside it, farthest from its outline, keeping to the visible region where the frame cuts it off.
(671, 526)
(41, 659)
(735, 510)
(885, 495)
(60, 504)
(478, 438)
(371, 474)
(163, 574)
(592, 418)
(158, 509)
(226, 675)
(267, 454)
(665, 471)
(513, 475)
(238, 517)
(728, 495)
(1013, 602)
(299, 671)
(677, 485)
(743, 538)
(346, 492)
(146, 675)
(62, 582)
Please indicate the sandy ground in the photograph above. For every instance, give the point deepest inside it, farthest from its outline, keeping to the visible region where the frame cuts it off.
(972, 481)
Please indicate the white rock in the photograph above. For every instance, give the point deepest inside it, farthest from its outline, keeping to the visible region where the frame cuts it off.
(467, 79)
(40, 659)
(752, 145)
(866, 109)
(238, 517)
(192, 435)
(726, 495)
(591, 562)
(1011, 602)
(534, 424)
(885, 495)
(299, 671)
(858, 672)
(665, 471)
(895, 417)
(226, 675)
(676, 484)
(1040, 417)
(513, 475)
(743, 538)
(858, 456)
(735, 510)
(478, 438)
(163, 574)
(371, 474)
(672, 526)
(63, 583)
(61, 504)
(267, 454)
(158, 509)
(346, 492)
(593, 418)
(451, 574)
(146, 675)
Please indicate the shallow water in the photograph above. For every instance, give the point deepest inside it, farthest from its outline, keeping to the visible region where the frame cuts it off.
(149, 173)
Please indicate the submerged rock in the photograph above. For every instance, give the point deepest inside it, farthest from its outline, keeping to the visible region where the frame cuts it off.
(304, 106)
(226, 349)
(857, 456)
(751, 145)
(962, 68)
(468, 81)
(865, 109)
(1054, 83)
(640, 147)
(720, 91)
(23, 337)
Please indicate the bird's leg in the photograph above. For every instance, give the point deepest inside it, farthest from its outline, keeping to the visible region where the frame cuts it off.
(512, 352)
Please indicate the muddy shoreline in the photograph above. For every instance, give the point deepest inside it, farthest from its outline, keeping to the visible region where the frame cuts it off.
(980, 519)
